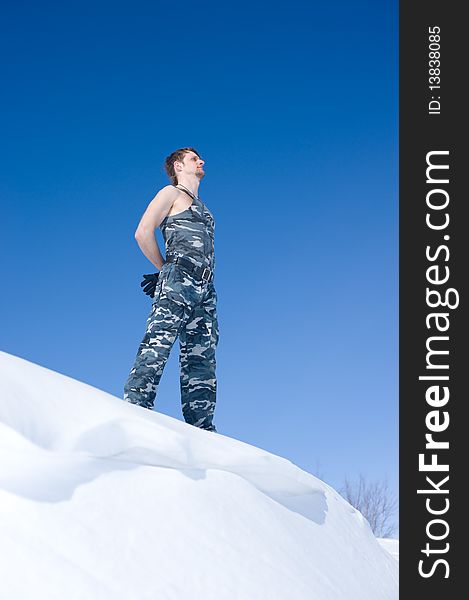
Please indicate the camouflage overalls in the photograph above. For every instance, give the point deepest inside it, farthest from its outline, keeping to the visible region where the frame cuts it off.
(183, 306)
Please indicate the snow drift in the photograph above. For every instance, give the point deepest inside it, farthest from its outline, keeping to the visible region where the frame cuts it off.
(391, 545)
(101, 499)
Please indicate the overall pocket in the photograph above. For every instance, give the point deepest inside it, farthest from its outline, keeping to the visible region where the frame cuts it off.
(163, 277)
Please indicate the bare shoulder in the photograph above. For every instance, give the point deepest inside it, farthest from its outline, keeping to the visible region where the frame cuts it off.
(159, 207)
(168, 191)
(166, 196)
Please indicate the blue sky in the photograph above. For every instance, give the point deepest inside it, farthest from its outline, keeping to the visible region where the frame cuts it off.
(294, 109)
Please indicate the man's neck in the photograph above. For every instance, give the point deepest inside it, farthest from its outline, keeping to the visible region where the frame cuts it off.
(191, 183)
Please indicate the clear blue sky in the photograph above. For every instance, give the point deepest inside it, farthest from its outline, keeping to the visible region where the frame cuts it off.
(294, 109)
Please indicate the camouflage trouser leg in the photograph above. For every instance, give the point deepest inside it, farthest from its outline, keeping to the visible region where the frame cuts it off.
(186, 308)
(198, 340)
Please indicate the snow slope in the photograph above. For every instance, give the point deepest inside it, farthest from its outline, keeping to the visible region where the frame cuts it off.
(392, 546)
(101, 499)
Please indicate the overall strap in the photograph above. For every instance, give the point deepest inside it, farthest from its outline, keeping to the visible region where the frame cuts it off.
(183, 188)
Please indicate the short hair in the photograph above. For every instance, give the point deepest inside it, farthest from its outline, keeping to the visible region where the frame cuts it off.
(177, 155)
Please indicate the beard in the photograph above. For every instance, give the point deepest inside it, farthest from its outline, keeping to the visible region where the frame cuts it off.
(200, 173)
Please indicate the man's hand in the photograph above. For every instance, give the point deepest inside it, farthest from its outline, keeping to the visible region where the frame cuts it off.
(149, 284)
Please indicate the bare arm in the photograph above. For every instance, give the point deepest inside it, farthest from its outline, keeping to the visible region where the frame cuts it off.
(156, 211)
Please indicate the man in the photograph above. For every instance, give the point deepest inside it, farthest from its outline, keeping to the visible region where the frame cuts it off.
(184, 300)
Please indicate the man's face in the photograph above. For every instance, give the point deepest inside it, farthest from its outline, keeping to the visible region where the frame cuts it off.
(192, 165)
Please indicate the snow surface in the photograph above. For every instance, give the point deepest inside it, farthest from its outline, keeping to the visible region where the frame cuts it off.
(392, 546)
(101, 499)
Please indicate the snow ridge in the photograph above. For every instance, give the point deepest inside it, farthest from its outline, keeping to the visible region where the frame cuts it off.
(116, 501)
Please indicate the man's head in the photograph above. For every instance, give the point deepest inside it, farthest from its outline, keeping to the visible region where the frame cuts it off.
(185, 162)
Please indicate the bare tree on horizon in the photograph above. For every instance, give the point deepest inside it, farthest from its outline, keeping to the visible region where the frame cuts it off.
(375, 501)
